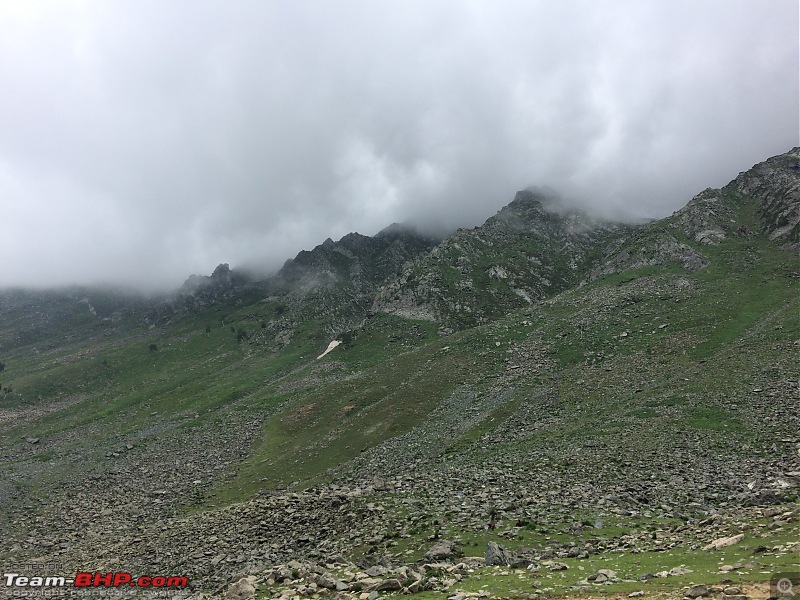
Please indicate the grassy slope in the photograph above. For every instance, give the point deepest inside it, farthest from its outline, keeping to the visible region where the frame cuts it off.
(696, 347)
(388, 380)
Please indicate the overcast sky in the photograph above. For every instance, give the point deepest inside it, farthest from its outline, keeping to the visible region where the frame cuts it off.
(141, 141)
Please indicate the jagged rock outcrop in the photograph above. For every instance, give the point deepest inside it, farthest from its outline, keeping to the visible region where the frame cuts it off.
(356, 261)
(533, 249)
(775, 185)
(223, 278)
(334, 284)
(199, 292)
(770, 190)
(707, 218)
(530, 249)
(654, 245)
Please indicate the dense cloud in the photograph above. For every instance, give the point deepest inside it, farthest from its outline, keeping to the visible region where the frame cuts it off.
(141, 141)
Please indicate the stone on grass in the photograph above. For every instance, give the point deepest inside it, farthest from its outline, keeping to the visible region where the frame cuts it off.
(724, 542)
(697, 591)
(498, 555)
(443, 550)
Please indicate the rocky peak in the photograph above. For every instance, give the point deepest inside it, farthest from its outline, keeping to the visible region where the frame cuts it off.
(706, 218)
(525, 210)
(222, 278)
(775, 185)
(222, 275)
(395, 230)
(528, 199)
(356, 261)
(770, 189)
(530, 249)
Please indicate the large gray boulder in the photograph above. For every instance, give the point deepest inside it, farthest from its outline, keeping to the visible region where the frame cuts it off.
(499, 555)
(443, 550)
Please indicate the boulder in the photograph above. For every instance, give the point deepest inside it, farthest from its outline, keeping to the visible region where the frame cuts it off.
(388, 585)
(244, 589)
(498, 555)
(603, 576)
(697, 591)
(724, 542)
(443, 550)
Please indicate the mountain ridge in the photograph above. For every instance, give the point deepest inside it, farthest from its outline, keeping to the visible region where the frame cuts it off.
(642, 407)
(547, 251)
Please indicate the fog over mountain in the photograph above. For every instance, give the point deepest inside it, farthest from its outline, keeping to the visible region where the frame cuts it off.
(141, 141)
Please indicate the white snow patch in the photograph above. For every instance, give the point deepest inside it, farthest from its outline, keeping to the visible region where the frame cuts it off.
(331, 346)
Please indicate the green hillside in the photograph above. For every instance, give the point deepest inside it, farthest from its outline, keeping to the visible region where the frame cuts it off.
(640, 403)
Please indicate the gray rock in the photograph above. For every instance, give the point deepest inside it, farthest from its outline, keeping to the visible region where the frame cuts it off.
(414, 587)
(498, 555)
(376, 571)
(720, 543)
(732, 590)
(697, 591)
(443, 550)
(388, 585)
(520, 563)
(603, 575)
(326, 581)
(243, 589)
(368, 583)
